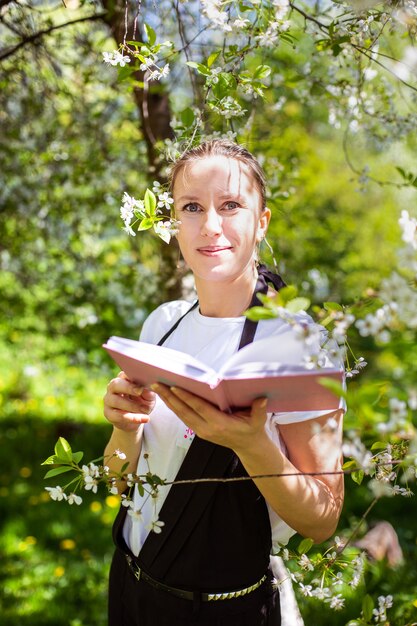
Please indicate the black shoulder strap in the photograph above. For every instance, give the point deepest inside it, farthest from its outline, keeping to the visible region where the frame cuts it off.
(171, 330)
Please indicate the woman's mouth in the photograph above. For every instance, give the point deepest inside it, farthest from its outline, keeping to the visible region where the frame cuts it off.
(213, 250)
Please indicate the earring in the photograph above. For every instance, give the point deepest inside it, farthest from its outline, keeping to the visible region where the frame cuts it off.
(178, 264)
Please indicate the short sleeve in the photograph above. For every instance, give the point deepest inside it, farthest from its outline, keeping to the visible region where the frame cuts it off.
(161, 320)
(328, 349)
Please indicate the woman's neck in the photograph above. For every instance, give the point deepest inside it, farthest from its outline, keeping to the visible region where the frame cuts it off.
(226, 298)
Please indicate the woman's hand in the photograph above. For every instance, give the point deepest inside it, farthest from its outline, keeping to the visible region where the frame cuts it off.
(239, 431)
(126, 405)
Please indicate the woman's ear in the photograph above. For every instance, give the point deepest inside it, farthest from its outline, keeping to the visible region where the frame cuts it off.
(264, 218)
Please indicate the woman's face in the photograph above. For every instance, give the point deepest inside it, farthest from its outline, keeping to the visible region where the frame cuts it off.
(219, 205)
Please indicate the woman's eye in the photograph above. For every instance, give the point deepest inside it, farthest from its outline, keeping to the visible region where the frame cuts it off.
(192, 207)
(231, 205)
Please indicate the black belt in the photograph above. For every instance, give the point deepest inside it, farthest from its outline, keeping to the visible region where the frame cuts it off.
(189, 595)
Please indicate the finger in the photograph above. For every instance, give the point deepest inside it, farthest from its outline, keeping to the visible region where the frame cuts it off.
(123, 385)
(122, 419)
(185, 412)
(258, 409)
(199, 405)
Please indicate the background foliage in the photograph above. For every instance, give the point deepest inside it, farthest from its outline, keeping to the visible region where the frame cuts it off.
(337, 142)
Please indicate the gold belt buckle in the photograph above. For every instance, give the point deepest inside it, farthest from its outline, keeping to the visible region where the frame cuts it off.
(134, 568)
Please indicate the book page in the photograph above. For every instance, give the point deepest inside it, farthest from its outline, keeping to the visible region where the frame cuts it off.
(165, 358)
(282, 349)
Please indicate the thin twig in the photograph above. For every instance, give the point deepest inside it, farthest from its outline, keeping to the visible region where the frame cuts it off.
(32, 38)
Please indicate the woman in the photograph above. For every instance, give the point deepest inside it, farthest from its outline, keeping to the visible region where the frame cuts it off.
(209, 565)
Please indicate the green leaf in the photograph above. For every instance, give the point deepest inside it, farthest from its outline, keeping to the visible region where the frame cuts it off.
(349, 464)
(63, 450)
(212, 58)
(297, 304)
(146, 223)
(334, 386)
(187, 116)
(357, 477)
(262, 71)
(141, 489)
(57, 470)
(150, 33)
(150, 203)
(201, 69)
(287, 293)
(367, 607)
(51, 460)
(378, 445)
(125, 72)
(305, 545)
(332, 306)
(124, 467)
(257, 313)
(77, 456)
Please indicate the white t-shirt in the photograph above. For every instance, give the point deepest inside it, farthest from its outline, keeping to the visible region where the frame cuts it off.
(166, 438)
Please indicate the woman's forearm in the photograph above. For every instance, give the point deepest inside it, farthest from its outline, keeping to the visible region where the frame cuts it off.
(309, 505)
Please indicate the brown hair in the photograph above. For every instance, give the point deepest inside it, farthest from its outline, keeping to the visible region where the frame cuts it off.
(220, 147)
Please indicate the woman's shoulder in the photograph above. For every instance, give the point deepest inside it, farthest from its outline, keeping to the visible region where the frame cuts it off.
(162, 318)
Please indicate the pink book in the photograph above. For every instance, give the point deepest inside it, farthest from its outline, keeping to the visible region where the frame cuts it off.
(250, 373)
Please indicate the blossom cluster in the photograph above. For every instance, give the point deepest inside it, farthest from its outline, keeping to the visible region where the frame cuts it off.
(116, 58)
(323, 576)
(149, 213)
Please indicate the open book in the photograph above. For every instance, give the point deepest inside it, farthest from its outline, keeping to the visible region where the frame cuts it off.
(250, 373)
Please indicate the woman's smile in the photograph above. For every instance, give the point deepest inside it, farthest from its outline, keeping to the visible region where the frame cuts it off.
(213, 250)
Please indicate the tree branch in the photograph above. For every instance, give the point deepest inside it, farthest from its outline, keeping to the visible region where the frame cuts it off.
(42, 33)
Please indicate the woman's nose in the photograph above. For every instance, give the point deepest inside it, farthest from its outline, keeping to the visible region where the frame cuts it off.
(212, 223)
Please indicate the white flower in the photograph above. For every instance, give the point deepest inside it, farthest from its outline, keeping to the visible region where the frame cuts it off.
(240, 22)
(321, 593)
(74, 499)
(91, 470)
(126, 502)
(305, 563)
(228, 107)
(212, 10)
(136, 516)
(116, 58)
(385, 601)
(165, 200)
(156, 526)
(148, 62)
(120, 455)
(165, 70)
(281, 8)
(56, 493)
(337, 602)
(165, 230)
(213, 79)
(306, 590)
(90, 484)
(398, 409)
(409, 227)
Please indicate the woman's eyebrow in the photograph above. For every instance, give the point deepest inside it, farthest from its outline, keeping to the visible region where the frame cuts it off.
(224, 194)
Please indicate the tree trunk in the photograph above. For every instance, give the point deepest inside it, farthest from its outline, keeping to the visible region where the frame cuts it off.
(155, 117)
